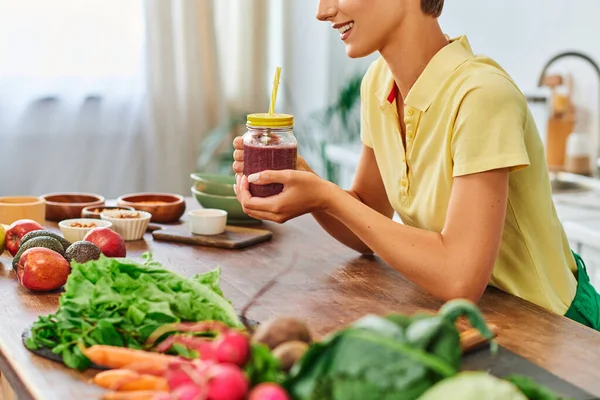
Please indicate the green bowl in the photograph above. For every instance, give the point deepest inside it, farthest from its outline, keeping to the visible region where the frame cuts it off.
(220, 185)
(235, 213)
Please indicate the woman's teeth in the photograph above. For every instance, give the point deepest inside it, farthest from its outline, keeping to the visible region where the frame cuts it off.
(345, 28)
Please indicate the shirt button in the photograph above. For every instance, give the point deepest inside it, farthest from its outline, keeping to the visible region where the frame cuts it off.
(410, 112)
(403, 183)
(409, 134)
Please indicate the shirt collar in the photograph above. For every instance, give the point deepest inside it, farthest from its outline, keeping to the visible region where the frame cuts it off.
(431, 80)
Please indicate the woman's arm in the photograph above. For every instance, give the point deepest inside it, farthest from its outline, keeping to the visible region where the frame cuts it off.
(367, 187)
(455, 263)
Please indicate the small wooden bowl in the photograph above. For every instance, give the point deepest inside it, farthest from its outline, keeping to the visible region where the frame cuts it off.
(61, 206)
(90, 212)
(164, 207)
(14, 208)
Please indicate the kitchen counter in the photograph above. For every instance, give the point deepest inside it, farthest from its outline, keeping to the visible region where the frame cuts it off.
(330, 287)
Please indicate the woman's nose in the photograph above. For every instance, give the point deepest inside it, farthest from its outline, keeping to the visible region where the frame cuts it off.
(326, 10)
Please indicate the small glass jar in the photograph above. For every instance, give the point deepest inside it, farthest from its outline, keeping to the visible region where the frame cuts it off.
(269, 144)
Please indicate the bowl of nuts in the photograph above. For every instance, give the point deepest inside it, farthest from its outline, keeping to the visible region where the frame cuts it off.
(75, 229)
(95, 211)
(131, 225)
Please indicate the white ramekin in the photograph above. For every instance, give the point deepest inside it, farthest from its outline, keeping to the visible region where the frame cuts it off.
(129, 228)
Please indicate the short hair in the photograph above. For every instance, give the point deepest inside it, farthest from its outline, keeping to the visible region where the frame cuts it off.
(432, 7)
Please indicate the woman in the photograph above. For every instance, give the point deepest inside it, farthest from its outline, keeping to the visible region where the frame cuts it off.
(450, 145)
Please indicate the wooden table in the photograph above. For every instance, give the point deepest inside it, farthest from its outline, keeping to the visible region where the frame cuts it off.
(330, 287)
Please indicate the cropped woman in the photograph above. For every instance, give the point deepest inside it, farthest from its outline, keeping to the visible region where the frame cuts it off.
(450, 145)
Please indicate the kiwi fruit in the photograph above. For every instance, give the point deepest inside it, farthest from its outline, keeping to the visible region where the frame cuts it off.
(280, 330)
(289, 353)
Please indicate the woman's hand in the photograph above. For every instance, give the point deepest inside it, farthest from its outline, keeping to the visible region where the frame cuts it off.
(238, 157)
(303, 193)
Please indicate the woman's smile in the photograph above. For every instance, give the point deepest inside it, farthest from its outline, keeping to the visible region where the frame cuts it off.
(344, 29)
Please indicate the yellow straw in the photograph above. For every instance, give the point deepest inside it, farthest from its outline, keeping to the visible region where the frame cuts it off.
(274, 91)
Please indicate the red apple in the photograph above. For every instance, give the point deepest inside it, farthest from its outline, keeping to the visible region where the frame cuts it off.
(16, 231)
(110, 242)
(42, 270)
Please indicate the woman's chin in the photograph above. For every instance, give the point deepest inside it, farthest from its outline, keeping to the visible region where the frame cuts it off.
(354, 51)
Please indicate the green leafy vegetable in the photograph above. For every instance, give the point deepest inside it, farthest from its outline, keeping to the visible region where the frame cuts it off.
(531, 389)
(120, 303)
(396, 357)
(181, 350)
(263, 366)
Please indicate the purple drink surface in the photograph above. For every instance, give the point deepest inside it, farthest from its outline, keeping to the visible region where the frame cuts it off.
(262, 158)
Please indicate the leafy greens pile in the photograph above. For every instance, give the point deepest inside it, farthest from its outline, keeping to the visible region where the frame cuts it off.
(401, 357)
(120, 303)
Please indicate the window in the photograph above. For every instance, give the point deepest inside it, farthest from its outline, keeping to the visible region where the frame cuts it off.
(49, 47)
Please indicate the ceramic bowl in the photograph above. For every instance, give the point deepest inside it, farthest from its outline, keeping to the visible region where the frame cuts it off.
(75, 229)
(14, 208)
(95, 211)
(235, 213)
(164, 207)
(61, 206)
(207, 221)
(131, 225)
(220, 185)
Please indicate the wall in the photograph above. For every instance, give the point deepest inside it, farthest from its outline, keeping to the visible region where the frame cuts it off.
(523, 35)
(305, 58)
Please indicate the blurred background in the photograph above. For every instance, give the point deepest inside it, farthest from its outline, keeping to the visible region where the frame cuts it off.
(118, 96)
(123, 96)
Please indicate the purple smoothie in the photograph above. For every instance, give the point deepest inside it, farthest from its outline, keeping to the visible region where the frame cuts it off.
(261, 158)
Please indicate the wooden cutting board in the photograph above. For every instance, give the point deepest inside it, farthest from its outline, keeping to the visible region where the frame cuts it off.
(234, 237)
(505, 363)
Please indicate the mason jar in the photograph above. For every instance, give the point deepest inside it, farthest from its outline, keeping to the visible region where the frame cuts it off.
(269, 144)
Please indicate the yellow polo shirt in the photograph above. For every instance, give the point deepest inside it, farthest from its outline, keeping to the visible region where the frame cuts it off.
(465, 115)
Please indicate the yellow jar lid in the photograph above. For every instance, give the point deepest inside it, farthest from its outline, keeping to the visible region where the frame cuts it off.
(270, 121)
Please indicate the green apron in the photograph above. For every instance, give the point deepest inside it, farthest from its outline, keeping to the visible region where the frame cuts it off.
(585, 307)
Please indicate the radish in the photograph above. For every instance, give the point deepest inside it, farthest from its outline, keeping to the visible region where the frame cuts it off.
(226, 382)
(189, 392)
(232, 347)
(268, 391)
(185, 373)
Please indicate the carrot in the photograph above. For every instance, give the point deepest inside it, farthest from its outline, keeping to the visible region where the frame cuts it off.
(120, 357)
(125, 380)
(140, 395)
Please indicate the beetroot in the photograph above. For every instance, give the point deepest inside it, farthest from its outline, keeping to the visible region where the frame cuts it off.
(232, 347)
(226, 382)
(268, 391)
